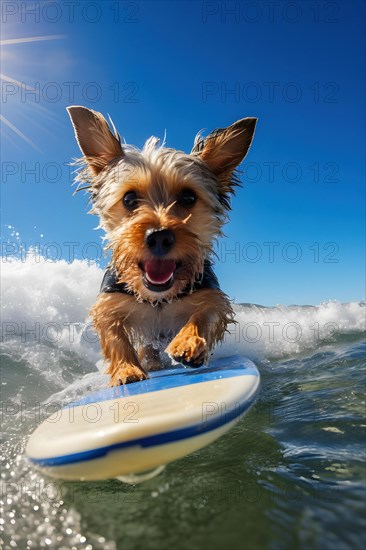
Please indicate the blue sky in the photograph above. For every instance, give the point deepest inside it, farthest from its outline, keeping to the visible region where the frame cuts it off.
(296, 233)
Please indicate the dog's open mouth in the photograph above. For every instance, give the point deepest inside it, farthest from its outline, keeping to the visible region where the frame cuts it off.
(158, 275)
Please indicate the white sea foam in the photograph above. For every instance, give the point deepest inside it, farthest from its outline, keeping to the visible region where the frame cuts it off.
(45, 309)
(282, 331)
(38, 290)
(46, 304)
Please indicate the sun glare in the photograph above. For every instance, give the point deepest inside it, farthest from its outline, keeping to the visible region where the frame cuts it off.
(21, 85)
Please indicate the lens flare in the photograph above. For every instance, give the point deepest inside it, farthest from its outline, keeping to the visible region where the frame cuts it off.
(22, 85)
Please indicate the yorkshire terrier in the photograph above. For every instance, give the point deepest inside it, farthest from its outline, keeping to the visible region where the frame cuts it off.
(162, 210)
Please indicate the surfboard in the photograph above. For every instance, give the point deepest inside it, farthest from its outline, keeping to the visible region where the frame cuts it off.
(134, 428)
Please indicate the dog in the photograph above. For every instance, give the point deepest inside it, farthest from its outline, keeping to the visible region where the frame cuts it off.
(162, 211)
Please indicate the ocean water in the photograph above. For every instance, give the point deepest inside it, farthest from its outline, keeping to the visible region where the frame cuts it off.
(290, 474)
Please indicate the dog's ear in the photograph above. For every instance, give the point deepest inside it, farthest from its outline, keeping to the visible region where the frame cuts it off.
(96, 141)
(222, 151)
(225, 148)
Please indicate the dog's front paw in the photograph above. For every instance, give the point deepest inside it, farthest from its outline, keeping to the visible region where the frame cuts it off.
(189, 350)
(126, 374)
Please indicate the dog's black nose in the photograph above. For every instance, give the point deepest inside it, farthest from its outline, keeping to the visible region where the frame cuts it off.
(160, 242)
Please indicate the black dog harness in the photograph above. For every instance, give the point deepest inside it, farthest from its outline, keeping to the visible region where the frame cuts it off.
(208, 280)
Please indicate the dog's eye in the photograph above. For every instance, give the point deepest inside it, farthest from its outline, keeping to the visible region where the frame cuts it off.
(130, 200)
(186, 198)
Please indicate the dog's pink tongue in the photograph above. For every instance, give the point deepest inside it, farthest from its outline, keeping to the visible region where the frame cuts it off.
(159, 271)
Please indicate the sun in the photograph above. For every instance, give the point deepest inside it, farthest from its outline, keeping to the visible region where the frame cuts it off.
(22, 85)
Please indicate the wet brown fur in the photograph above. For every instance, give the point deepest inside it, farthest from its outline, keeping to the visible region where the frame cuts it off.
(132, 327)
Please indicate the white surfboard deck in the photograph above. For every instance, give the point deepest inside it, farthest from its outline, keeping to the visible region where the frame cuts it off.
(133, 428)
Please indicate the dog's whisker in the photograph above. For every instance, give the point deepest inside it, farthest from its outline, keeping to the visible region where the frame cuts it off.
(170, 206)
(187, 218)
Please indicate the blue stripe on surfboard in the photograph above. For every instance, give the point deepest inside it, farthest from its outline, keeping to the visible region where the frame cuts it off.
(172, 378)
(151, 440)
